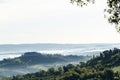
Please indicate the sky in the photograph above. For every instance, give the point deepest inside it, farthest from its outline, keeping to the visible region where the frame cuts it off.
(54, 21)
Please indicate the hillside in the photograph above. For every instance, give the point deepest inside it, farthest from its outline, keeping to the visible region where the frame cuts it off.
(108, 58)
(31, 62)
(98, 68)
(33, 58)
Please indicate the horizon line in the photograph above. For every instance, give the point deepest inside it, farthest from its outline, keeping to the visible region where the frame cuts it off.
(56, 43)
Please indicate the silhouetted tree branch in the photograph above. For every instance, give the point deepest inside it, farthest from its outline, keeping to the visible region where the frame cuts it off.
(113, 10)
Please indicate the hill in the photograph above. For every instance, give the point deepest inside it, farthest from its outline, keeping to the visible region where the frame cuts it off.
(31, 62)
(33, 58)
(98, 68)
(108, 58)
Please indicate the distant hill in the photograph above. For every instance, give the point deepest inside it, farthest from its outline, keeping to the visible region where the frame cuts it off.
(31, 62)
(34, 58)
(97, 68)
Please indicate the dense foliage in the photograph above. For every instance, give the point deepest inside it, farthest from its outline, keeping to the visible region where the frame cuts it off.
(108, 58)
(98, 68)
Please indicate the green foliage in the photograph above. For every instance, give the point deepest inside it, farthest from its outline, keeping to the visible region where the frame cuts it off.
(108, 58)
(116, 69)
(109, 75)
(114, 13)
(98, 68)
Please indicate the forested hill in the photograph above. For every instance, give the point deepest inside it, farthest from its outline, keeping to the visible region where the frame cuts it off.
(98, 68)
(108, 58)
(34, 58)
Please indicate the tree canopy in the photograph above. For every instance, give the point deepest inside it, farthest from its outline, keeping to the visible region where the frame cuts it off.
(113, 10)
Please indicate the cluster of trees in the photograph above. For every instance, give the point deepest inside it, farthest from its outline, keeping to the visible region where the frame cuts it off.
(108, 58)
(73, 73)
(98, 68)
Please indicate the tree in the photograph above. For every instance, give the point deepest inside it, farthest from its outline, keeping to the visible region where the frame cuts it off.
(51, 71)
(60, 70)
(108, 74)
(113, 10)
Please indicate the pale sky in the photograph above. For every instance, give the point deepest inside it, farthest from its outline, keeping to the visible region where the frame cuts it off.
(54, 21)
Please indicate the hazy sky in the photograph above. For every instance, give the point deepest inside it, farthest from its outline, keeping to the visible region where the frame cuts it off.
(54, 21)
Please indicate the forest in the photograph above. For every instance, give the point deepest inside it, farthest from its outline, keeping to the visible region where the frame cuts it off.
(106, 66)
